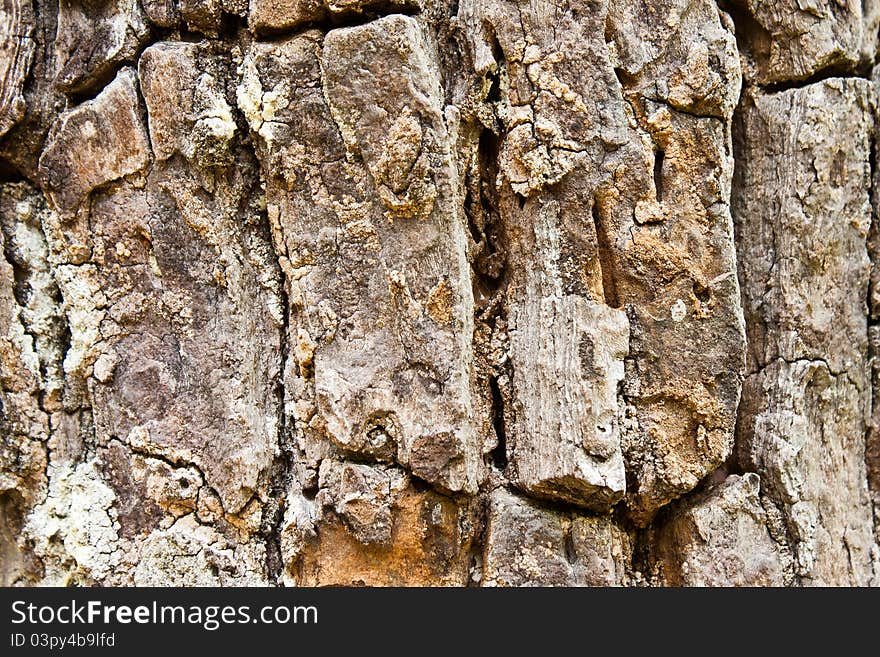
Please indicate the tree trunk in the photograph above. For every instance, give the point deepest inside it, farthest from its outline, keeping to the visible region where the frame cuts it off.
(437, 292)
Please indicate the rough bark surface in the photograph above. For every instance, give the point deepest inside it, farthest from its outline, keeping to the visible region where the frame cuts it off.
(436, 292)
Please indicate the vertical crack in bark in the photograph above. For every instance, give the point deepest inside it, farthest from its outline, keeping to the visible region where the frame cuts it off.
(478, 541)
(569, 546)
(872, 433)
(606, 257)
(643, 568)
(489, 260)
(281, 470)
(659, 156)
(490, 276)
(499, 454)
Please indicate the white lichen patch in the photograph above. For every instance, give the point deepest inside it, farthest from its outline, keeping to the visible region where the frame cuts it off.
(83, 305)
(679, 311)
(104, 366)
(192, 554)
(260, 107)
(75, 531)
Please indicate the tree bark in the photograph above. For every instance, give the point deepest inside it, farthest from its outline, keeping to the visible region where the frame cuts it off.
(436, 292)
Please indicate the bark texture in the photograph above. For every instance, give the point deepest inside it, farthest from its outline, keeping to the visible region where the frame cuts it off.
(436, 292)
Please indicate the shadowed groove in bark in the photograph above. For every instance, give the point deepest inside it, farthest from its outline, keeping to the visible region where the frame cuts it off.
(281, 473)
(872, 433)
(8, 173)
(478, 543)
(836, 71)
(606, 262)
(659, 156)
(499, 453)
(484, 222)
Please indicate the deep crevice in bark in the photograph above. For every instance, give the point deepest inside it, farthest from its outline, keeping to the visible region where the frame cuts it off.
(484, 222)
(9, 173)
(828, 73)
(498, 455)
(570, 551)
(872, 433)
(606, 257)
(479, 537)
(750, 35)
(281, 472)
(659, 156)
